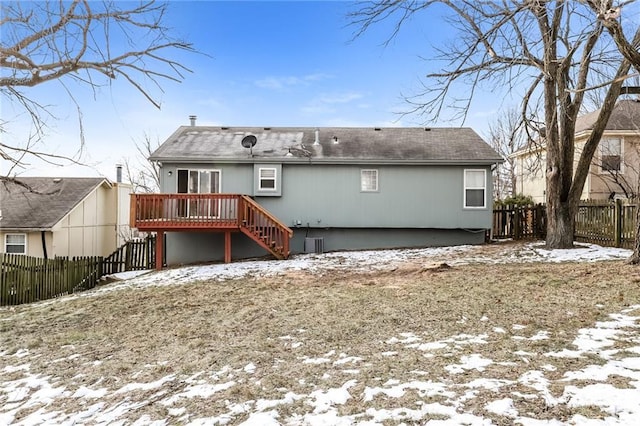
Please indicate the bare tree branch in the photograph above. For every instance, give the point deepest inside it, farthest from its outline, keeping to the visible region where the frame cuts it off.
(610, 16)
(87, 42)
(507, 135)
(551, 52)
(143, 174)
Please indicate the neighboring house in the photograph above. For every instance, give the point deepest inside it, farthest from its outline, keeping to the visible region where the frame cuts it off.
(48, 217)
(355, 188)
(615, 166)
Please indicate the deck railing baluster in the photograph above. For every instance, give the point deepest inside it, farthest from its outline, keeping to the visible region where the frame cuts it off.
(210, 212)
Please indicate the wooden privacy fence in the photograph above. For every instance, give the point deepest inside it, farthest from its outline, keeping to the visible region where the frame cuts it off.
(519, 222)
(607, 223)
(26, 279)
(134, 255)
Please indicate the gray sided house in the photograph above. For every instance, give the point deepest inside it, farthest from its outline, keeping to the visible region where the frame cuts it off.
(335, 188)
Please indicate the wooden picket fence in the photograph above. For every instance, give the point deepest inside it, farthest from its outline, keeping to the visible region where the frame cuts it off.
(134, 255)
(26, 279)
(607, 224)
(603, 222)
(519, 222)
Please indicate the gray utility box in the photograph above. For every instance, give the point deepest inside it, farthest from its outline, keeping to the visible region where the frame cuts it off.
(314, 245)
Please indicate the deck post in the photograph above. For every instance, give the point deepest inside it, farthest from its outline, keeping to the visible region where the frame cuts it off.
(159, 249)
(132, 210)
(227, 246)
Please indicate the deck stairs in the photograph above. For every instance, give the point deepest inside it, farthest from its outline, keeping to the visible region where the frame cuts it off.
(216, 212)
(265, 229)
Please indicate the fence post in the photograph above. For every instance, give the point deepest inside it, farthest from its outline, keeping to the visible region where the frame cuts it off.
(128, 253)
(617, 214)
(516, 222)
(538, 221)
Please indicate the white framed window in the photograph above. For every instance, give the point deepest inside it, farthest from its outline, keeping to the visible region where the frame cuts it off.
(15, 243)
(369, 180)
(475, 188)
(267, 179)
(611, 155)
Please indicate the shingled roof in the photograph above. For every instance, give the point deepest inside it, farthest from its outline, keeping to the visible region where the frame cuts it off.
(328, 145)
(38, 203)
(625, 116)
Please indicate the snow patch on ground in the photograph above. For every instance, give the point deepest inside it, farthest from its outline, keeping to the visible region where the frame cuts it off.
(27, 398)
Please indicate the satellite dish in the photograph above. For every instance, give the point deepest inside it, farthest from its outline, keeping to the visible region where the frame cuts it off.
(249, 141)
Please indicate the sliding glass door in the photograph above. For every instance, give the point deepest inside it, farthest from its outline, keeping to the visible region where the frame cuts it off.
(199, 182)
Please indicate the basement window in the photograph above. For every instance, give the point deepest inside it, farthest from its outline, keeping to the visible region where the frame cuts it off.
(15, 243)
(475, 188)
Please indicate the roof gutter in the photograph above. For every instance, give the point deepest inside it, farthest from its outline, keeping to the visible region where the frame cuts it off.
(298, 160)
(22, 230)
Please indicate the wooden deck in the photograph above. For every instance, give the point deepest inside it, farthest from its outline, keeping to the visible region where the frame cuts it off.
(226, 213)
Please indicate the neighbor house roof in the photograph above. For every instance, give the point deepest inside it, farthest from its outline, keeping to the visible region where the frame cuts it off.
(625, 116)
(38, 203)
(327, 145)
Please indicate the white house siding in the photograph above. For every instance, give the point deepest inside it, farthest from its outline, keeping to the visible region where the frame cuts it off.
(34, 242)
(598, 185)
(601, 184)
(93, 228)
(123, 199)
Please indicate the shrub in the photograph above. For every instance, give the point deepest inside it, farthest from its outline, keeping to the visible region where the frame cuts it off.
(516, 200)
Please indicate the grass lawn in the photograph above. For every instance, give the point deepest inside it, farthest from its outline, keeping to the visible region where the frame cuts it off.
(419, 341)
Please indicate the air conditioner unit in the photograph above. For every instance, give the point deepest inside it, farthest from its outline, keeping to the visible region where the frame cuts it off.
(314, 245)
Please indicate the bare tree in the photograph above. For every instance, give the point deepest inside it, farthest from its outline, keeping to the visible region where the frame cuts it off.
(550, 48)
(507, 135)
(634, 259)
(609, 13)
(143, 174)
(91, 43)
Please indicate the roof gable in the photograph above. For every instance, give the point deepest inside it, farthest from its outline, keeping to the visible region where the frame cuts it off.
(625, 116)
(327, 144)
(41, 202)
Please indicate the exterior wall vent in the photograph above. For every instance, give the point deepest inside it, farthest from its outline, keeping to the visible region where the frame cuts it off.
(314, 245)
(427, 129)
(377, 129)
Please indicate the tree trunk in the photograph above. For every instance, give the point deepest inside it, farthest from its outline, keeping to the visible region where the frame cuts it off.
(560, 225)
(635, 256)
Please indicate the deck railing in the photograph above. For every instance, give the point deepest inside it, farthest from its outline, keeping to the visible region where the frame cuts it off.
(228, 212)
(263, 225)
(188, 211)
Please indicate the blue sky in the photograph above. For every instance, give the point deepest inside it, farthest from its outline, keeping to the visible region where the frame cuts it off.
(262, 64)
